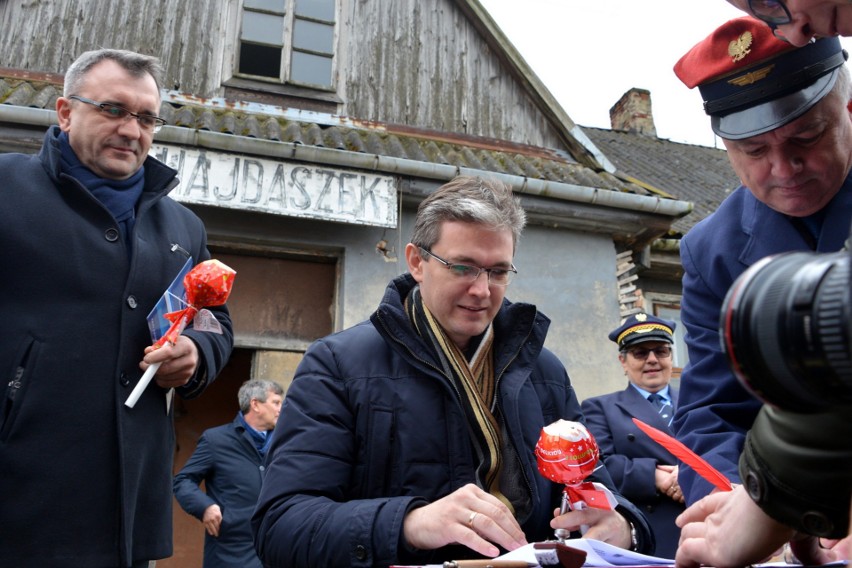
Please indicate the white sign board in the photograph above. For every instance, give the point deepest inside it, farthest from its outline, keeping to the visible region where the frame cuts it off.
(294, 189)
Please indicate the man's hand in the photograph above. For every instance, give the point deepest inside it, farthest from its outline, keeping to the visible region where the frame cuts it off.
(727, 529)
(178, 362)
(665, 479)
(212, 519)
(604, 524)
(468, 516)
(810, 550)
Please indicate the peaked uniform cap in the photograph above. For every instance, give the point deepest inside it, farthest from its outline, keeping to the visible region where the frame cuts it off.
(640, 328)
(753, 82)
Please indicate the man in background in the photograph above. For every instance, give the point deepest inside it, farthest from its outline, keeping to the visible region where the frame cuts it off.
(643, 471)
(229, 460)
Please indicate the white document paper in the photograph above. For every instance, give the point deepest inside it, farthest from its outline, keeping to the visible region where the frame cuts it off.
(598, 553)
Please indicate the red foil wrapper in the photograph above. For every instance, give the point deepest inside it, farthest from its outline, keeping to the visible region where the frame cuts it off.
(209, 283)
(566, 452)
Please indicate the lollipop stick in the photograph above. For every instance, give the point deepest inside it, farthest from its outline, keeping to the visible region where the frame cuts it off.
(140, 386)
(563, 534)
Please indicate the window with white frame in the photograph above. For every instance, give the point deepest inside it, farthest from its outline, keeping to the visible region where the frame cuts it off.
(288, 41)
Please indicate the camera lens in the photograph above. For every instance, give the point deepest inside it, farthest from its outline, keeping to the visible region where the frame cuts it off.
(785, 328)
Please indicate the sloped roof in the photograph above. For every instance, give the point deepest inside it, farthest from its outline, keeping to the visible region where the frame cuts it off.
(27, 89)
(688, 172)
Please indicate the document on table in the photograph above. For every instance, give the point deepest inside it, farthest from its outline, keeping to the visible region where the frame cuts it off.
(598, 553)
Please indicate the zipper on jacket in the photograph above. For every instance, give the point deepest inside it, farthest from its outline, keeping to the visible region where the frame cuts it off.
(452, 383)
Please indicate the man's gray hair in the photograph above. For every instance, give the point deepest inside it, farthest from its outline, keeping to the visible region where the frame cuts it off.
(468, 199)
(257, 389)
(136, 64)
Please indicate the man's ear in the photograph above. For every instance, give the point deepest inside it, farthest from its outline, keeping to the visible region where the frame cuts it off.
(63, 113)
(414, 259)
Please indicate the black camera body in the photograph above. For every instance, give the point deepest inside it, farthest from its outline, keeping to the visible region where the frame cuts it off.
(786, 329)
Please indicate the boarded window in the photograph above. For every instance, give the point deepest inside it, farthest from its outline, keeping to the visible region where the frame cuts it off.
(280, 303)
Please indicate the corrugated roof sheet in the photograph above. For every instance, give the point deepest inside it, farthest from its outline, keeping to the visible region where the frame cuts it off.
(688, 172)
(398, 141)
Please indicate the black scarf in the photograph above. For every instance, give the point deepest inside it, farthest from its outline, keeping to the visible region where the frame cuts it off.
(118, 196)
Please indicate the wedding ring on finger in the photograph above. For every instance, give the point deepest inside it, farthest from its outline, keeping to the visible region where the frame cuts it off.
(471, 518)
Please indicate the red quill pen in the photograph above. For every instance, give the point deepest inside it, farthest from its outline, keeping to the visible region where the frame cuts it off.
(687, 456)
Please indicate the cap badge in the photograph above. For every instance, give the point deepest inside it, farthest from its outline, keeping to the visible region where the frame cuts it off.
(752, 77)
(641, 317)
(740, 47)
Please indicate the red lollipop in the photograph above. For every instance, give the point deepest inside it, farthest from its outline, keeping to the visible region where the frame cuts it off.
(207, 284)
(566, 452)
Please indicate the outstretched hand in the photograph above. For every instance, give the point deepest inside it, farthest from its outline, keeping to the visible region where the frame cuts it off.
(727, 529)
(467, 516)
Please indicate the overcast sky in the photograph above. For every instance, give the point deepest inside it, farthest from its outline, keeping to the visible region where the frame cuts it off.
(589, 53)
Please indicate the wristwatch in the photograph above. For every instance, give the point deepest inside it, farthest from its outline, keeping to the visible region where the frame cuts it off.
(634, 540)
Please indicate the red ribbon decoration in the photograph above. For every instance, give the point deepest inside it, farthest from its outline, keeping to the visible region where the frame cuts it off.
(588, 493)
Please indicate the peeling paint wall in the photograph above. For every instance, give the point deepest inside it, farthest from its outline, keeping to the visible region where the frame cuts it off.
(570, 277)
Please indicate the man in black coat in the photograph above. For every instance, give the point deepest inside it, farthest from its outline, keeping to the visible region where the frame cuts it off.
(90, 243)
(229, 460)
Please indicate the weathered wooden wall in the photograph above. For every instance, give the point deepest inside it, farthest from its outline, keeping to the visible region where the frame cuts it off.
(422, 63)
(188, 36)
(414, 62)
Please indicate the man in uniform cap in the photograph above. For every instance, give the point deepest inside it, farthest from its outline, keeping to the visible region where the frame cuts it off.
(783, 115)
(643, 471)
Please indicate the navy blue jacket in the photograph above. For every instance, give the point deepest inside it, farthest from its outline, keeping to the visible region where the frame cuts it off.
(84, 480)
(371, 428)
(631, 457)
(715, 411)
(231, 467)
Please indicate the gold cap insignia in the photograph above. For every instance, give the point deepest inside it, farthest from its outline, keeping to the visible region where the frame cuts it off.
(751, 76)
(740, 47)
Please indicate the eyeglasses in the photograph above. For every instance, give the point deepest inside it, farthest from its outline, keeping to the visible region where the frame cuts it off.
(147, 122)
(772, 12)
(661, 352)
(468, 273)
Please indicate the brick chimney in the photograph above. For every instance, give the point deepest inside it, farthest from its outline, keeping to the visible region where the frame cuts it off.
(632, 113)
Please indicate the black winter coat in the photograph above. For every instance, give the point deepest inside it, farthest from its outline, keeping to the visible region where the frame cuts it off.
(84, 480)
(370, 428)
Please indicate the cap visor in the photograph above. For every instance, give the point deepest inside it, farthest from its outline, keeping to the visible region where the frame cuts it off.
(772, 114)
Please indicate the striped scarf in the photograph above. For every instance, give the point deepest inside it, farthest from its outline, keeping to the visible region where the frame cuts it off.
(475, 382)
